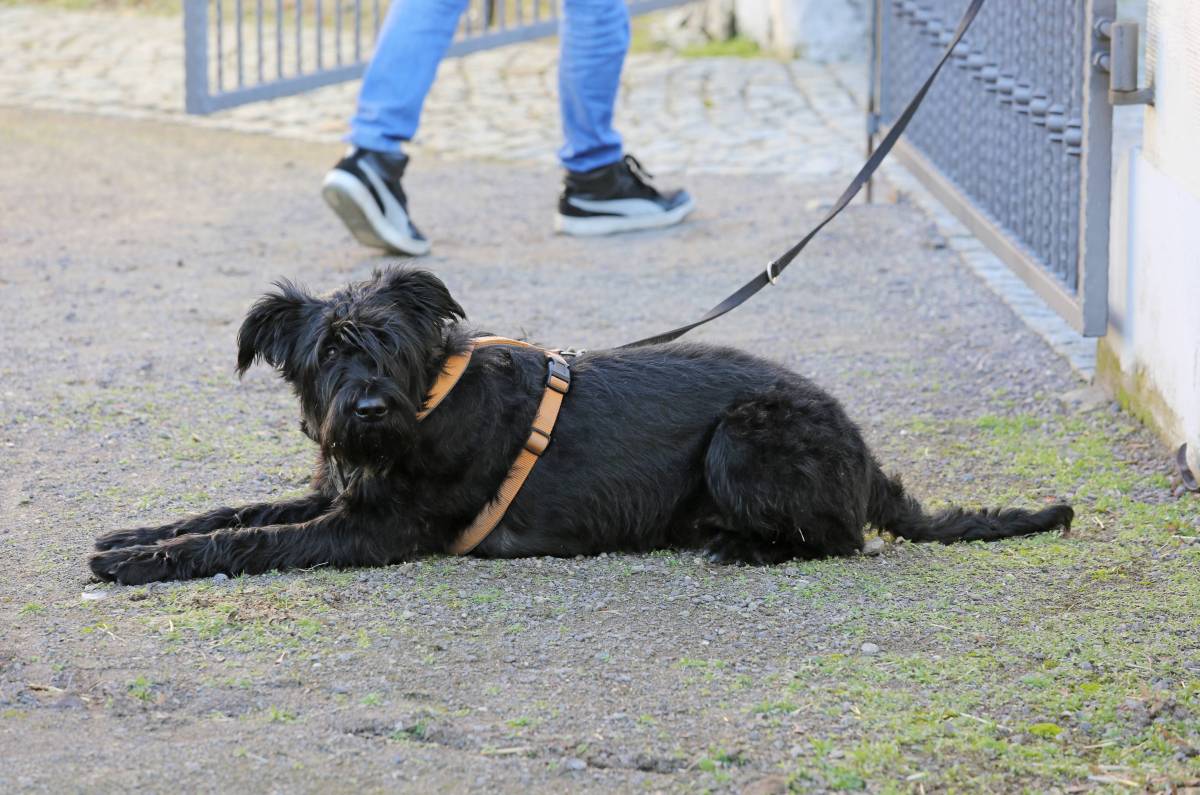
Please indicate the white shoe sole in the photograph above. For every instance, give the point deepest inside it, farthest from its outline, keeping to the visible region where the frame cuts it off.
(596, 225)
(354, 204)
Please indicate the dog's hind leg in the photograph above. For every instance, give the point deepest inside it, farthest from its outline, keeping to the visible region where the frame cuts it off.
(786, 471)
(260, 514)
(332, 539)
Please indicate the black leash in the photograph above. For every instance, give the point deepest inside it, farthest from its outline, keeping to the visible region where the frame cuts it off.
(777, 266)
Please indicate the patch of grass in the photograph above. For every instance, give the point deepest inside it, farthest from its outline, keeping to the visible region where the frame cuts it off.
(719, 759)
(371, 700)
(690, 662)
(1047, 731)
(773, 708)
(279, 715)
(249, 617)
(642, 38)
(141, 688)
(737, 47)
(841, 778)
(1025, 664)
(418, 731)
(519, 722)
(31, 609)
(487, 597)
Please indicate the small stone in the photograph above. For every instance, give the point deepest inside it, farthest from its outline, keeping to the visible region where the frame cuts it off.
(93, 596)
(1084, 399)
(869, 649)
(771, 785)
(220, 577)
(575, 763)
(873, 547)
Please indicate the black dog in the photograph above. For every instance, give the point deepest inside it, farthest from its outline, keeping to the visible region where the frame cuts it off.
(682, 446)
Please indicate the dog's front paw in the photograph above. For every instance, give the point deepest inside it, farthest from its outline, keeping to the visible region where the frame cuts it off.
(134, 565)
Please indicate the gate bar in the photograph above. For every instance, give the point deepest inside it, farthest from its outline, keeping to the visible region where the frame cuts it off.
(195, 56)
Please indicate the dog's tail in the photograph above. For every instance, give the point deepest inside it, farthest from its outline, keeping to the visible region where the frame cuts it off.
(892, 509)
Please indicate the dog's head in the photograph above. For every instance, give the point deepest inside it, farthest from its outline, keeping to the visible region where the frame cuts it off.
(358, 360)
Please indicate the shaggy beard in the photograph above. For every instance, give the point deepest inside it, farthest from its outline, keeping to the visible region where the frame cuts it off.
(356, 442)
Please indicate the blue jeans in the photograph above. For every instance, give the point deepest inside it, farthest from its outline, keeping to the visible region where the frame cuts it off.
(594, 36)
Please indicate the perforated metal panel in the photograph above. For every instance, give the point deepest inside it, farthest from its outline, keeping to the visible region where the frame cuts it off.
(1015, 136)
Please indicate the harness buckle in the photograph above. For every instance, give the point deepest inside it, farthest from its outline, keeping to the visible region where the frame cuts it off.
(772, 277)
(558, 376)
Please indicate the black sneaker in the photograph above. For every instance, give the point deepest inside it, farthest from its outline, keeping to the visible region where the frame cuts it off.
(617, 198)
(364, 190)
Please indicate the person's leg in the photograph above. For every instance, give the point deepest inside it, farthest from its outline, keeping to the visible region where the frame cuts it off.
(594, 38)
(364, 188)
(605, 192)
(411, 43)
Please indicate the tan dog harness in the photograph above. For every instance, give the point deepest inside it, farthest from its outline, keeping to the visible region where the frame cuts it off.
(558, 381)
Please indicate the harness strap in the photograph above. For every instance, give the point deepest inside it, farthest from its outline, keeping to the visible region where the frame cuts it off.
(454, 368)
(558, 381)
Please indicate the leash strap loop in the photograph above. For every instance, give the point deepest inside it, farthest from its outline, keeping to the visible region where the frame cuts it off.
(777, 266)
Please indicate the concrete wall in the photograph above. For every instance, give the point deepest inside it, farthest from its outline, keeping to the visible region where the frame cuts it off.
(1151, 356)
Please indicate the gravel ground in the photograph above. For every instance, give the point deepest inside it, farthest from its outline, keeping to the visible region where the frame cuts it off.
(131, 250)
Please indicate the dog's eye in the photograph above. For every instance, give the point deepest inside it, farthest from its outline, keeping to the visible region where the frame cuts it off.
(330, 352)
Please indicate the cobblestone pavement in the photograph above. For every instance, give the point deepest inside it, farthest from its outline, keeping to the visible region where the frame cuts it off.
(677, 114)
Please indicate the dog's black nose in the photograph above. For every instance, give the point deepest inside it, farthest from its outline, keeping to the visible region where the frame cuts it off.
(370, 409)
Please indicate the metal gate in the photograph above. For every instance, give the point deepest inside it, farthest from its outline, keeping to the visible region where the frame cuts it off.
(239, 51)
(1015, 137)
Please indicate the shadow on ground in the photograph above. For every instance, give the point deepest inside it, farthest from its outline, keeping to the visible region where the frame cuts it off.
(130, 252)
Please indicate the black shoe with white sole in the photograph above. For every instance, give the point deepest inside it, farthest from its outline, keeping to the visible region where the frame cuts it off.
(364, 190)
(617, 198)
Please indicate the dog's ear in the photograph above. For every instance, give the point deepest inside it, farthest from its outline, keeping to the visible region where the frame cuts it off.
(419, 293)
(274, 326)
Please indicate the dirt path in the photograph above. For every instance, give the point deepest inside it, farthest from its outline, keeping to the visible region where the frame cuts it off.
(129, 251)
